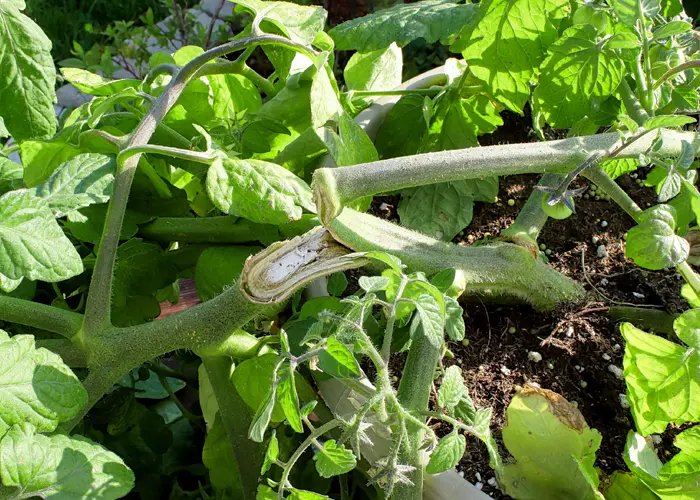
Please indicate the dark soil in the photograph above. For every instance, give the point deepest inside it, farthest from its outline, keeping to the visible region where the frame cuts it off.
(577, 344)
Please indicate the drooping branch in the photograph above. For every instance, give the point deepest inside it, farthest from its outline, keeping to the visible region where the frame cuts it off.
(335, 188)
(98, 308)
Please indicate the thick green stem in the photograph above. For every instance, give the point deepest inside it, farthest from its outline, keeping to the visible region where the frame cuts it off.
(183, 154)
(531, 218)
(598, 176)
(236, 417)
(647, 82)
(98, 308)
(634, 108)
(336, 187)
(414, 394)
(51, 319)
(502, 269)
(70, 353)
(644, 318)
(400, 92)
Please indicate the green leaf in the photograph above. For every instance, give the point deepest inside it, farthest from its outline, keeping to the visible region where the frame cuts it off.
(27, 76)
(653, 244)
(10, 175)
(661, 383)
(667, 121)
(300, 23)
(265, 493)
(337, 283)
(685, 98)
(32, 245)
(258, 190)
(431, 20)
(438, 210)
(306, 495)
(40, 159)
(543, 433)
(400, 134)
(448, 453)
(452, 388)
(151, 388)
(271, 453)
(333, 460)
(218, 268)
(372, 284)
(262, 417)
(218, 457)
(337, 360)
(505, 42)
(577, 77)
(630, 11)
(288, 398)
(88, 223)
(324, 101)
(350, 145)
(232, 94)
(94, 84)
(36, 387)
(679, 478)
(61, 467)
(391, 261)
(627, 486)
(430, 319)
(672, 28)
(82, 181)
(253, 380)
(376, 70)
(454, 319)
(207, 399)
(617, 168)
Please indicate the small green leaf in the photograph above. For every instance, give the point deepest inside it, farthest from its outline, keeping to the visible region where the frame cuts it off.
(543, 433)
(624, 40)
(685, 98)
(262, 416)
(505, 42)
(306, 495)
(375, 70)
(27, 76)
(661, 386)
(653, 244)
(617, 168)
(685, 160)
(84, 180)
(679, 478)
(94, 84)
(448, 453)
(672, 28)
(36, 387)
(430, 319)
(452, 388)
(667, 121)
(253, 380)
(337, 283)
(300, 23)
(334, 460)
(61, 467)
(688, 293)
(627, 486)
(337, 360)
(41, 158)
(32, 245)
(372, 284)
(577, 77)
(391, 261)
(271, 454)
(258, 190)
(431, 20)
(288, 398)
(265, 493)
(207, 399)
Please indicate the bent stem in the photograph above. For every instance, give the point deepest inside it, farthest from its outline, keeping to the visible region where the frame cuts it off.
(531, 218)
(335, 188)
(98, 308)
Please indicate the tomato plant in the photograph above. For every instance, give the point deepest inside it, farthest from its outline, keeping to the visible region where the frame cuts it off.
(257, 187)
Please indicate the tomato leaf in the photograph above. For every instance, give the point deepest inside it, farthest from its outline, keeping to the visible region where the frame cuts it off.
(334, 460)
(653, 244)
(448, 453)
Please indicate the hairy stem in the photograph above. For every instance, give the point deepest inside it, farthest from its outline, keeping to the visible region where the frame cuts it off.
(694, 64)
(400, 92)
(335, 188)
(597, 175)
(531, 218)
(236, 417)
(502, 269)
(634, 108)
(389, 331)
(51, 319)
(98, 308)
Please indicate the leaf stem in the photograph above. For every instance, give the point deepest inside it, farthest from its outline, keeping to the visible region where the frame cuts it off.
(51, 319)
(184, 154)
(597, 175)
(648, 80)
(694, 64)
(389, 331)
(401, 92)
